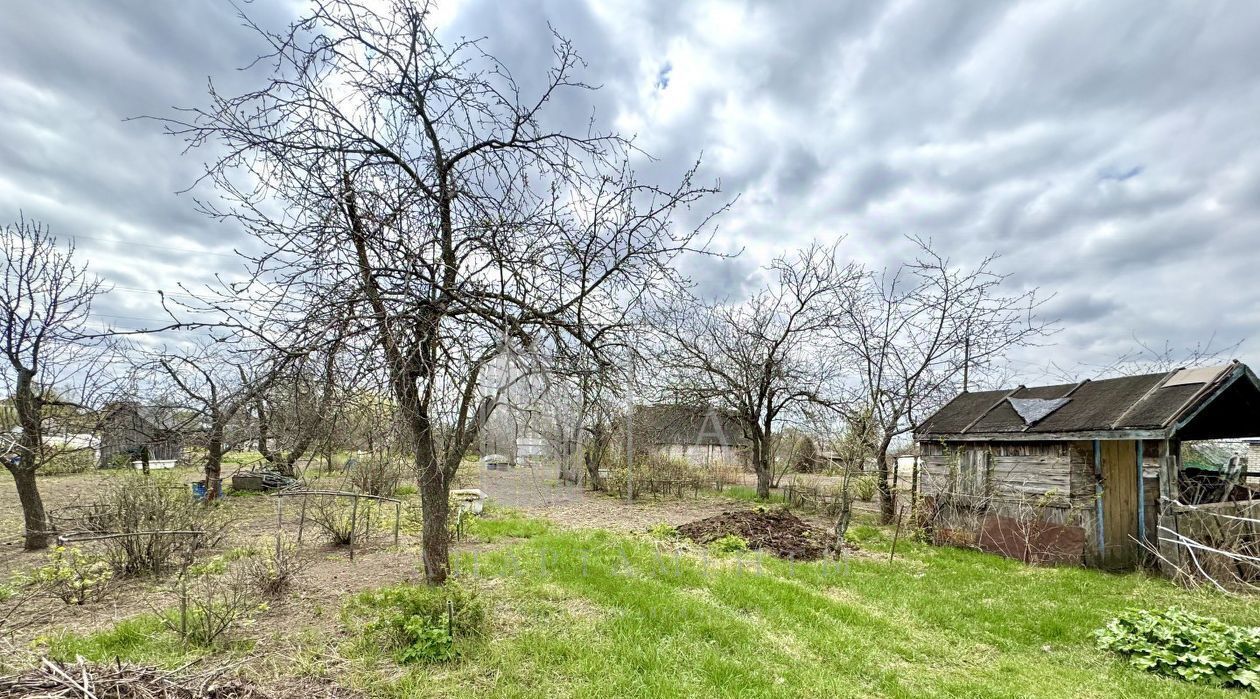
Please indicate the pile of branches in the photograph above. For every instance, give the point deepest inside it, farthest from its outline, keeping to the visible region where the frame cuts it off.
(84, 680)
(777, 531)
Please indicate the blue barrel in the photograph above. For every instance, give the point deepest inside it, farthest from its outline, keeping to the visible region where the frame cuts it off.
(199, 490)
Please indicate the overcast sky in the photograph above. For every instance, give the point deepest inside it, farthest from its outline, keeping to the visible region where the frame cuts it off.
(1109, 151)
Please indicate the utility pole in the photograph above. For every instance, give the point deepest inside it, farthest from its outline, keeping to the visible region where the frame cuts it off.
(966, 357)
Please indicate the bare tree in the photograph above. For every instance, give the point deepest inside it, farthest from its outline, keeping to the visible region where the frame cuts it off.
(760, 359)
(448, 215)
(216, 387)
(292, 412)
(45, 302)
(1150, 358)
(918, 332)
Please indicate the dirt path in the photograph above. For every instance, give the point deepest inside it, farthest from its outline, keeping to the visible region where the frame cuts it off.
(539, 492)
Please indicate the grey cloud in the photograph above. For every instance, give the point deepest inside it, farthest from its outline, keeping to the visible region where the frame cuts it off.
(1109, 153)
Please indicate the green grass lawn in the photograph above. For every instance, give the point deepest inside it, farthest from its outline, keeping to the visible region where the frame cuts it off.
(595, 614)
(589, 613)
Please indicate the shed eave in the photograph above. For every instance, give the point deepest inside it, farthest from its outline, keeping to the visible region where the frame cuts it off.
(1044, 436)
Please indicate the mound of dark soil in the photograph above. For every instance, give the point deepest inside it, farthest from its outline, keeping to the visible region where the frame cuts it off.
(777, 531)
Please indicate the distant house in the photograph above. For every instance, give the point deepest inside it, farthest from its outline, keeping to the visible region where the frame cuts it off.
(127, 428)
(1090, 472)
(531, 448)
(700, 435)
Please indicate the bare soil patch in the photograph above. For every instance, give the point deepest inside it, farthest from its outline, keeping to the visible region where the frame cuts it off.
(777, 531)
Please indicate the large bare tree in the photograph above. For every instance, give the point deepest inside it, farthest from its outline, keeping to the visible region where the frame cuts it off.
(915, 332)
(45, 304)
(411, 182)
(760, 359)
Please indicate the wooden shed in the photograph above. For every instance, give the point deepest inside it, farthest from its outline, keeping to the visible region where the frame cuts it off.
(127, 428)
(1085, 472)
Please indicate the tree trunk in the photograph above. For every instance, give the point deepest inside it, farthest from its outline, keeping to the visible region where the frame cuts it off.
(761, 464)
(885, 489)
(264, 430)
(34, 518)
(30, 445)
(435, 551)
(214, 465)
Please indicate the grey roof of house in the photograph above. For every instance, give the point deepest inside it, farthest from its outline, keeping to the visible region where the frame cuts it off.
(1126, 403)
(686, 424)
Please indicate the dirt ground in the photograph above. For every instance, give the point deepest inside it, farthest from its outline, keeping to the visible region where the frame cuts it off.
(537, 491)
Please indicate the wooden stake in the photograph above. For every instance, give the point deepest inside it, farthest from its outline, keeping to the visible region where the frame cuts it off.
(397, 521)
(354, 519)
(302, 519)
(896, 534)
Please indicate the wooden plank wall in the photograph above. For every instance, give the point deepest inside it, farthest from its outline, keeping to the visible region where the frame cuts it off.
(1051, 481)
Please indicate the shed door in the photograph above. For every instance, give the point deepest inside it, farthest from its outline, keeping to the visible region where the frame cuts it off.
(1120, 503)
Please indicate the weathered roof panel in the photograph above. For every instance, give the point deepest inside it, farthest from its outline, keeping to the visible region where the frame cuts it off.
(1141, 402)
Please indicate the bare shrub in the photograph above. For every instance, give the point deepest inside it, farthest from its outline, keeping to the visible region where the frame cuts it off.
(339, 519)
(214, 598)
(375, 474)
(273, 566)
(133, 503)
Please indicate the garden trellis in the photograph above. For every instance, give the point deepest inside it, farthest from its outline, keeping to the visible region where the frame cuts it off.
(354, 511)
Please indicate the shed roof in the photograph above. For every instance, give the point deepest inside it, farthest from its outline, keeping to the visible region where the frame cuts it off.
(1146, 405)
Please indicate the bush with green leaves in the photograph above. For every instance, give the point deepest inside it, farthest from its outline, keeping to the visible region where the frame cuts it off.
(663, 530)
(73, 576)
(214, 596)
(1181, 644)
(864, 487)
(417, 623)
(729, 544)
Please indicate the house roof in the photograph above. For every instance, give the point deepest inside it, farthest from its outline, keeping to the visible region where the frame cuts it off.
(1146, 406)
(686, 424)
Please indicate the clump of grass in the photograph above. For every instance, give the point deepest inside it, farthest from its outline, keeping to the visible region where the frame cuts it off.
(729, 544)
(863, 533)
(416, 623)
(496, 524)
(234, 493)
(405, 489)
(748, 494)
(140, 639)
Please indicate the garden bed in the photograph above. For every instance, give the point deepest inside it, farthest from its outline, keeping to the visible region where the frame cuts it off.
(776, 531)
